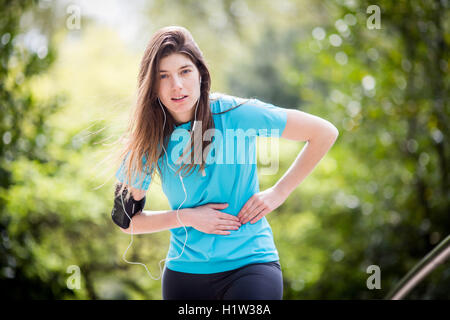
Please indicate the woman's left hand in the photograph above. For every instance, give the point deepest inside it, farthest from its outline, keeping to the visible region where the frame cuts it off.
(260, 204)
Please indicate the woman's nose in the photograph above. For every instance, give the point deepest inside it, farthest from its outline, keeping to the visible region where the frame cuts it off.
(177, 82)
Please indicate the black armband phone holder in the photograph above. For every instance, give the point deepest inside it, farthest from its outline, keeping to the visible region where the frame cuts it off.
(131, 206)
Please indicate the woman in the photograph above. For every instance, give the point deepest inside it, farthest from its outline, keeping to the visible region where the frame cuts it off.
(221, 244)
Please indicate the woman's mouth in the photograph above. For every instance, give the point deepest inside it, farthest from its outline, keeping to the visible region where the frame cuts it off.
(179, 99)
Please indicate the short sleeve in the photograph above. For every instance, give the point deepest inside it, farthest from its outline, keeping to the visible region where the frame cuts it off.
(266, 119)
(141, 181)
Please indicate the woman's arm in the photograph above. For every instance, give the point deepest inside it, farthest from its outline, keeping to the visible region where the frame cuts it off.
(300, 126)
(320, 135)
(155, 221)
(206, 218)
(152, 221)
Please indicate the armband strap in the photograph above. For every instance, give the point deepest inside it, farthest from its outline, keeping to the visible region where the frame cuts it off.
(131, 206)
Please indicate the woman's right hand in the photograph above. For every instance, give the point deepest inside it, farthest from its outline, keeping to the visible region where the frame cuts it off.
(208, 219)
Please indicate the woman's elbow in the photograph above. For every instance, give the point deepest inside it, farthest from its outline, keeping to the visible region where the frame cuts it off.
(334, 132)
(127, 231)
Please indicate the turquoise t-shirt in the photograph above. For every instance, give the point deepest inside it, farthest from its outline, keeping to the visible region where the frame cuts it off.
(230, 177)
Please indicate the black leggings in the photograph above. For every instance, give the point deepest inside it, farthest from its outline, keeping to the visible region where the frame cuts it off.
(257, 281)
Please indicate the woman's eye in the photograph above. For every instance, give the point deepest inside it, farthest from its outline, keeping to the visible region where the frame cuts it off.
(163, 76)
(186, 71)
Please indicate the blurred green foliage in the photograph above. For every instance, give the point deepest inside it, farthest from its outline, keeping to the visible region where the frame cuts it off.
(379, 197)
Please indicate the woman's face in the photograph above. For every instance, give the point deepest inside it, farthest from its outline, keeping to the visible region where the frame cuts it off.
(179, 77)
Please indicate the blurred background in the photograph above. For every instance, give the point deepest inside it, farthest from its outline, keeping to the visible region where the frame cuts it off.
(380, 197)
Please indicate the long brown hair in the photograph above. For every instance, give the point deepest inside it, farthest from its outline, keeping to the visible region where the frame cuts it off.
(145, 133)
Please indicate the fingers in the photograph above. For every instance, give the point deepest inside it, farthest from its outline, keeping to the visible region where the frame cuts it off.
(245, 208)
(217, 206)
(227, 224)
(251, 213)
(223, 215)
(226, 216)
(248, 208)
(225, 233)
(223, 229)
(257, 217)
